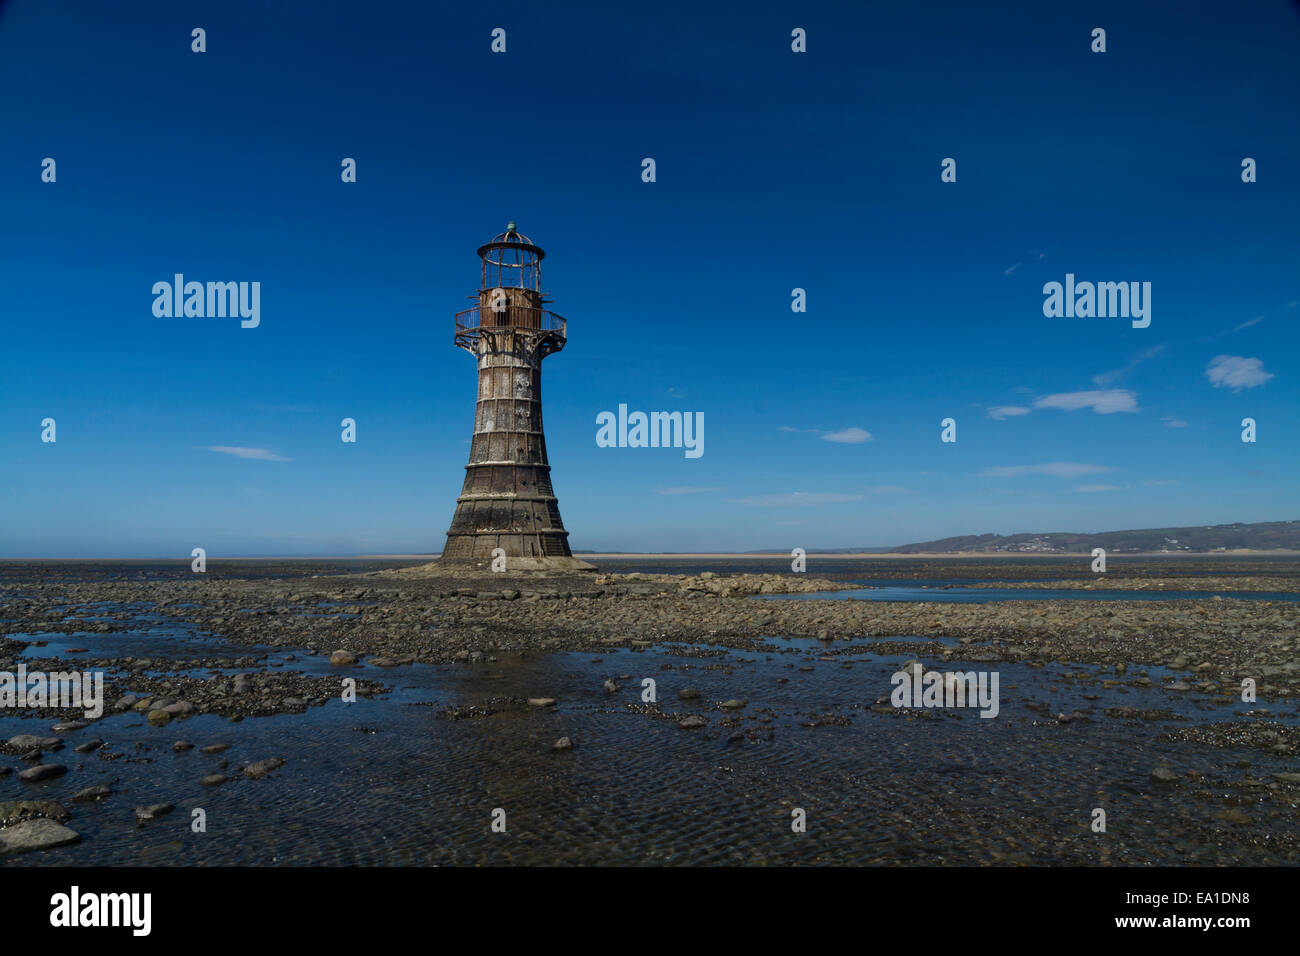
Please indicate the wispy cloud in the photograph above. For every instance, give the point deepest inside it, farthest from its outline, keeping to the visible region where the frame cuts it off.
(798, 498)
(888, 490)
(848, 436)
(1161, 482)
(1286, 307)
(1236, 372)
(1053, 469)
(1010, 270)
(1107, 378)
(1172, 422)
(1102, 401)
(260, 454)
(1089, 489)
(1000, 412)
(799, 431)
(686, 491)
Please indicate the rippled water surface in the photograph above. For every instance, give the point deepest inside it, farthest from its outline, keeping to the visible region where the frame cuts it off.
(394, 780)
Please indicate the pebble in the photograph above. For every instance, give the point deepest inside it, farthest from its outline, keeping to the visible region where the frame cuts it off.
(564, 743)
(1163, 775)
(44, 771)
(263, 768)
(153, 811)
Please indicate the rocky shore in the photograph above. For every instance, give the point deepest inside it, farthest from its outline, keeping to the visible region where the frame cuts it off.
(363, 626)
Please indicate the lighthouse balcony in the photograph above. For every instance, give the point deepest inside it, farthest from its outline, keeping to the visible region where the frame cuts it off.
(473, 323)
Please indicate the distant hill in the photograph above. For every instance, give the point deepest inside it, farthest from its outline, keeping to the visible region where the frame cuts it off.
(1264, 536)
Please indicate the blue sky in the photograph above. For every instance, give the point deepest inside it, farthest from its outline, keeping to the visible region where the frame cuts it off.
(775, 170)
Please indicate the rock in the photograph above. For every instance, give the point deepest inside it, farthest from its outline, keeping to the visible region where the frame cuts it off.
(69, 726)
(214, 748)
(16, 811)
(180, 709)
(158, 718)
(1287, 777)
(89, 746)
(342, 658)
(564, 743)
(31, 741)
(611, 687)
(155, 811)
(263, 768)
(1163, 775)
(181, 746)
(541, 701)
(691, 723)
(38, 834)
(98, 792)
(44, 771)
(689, 693)
(214, 780)
(912, 668)
(733, 704)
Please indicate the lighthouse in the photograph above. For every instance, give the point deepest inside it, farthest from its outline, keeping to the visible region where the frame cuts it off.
(507, 501)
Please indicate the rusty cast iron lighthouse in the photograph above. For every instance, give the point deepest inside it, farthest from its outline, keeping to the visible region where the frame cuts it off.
(507, 501)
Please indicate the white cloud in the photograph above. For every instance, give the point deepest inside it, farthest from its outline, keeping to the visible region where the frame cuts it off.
(1102, 401)
(799, 431)
(1172, 422)
(1053, 469)
(1092, 488)
(261, 454)
(848, 436)
(1007, 411)
(1236, 372)
(798, 498)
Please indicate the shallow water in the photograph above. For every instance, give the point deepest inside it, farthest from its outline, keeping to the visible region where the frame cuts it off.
(393, 781)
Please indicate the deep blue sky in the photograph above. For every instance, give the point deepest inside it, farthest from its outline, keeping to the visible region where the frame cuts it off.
(775, 171)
